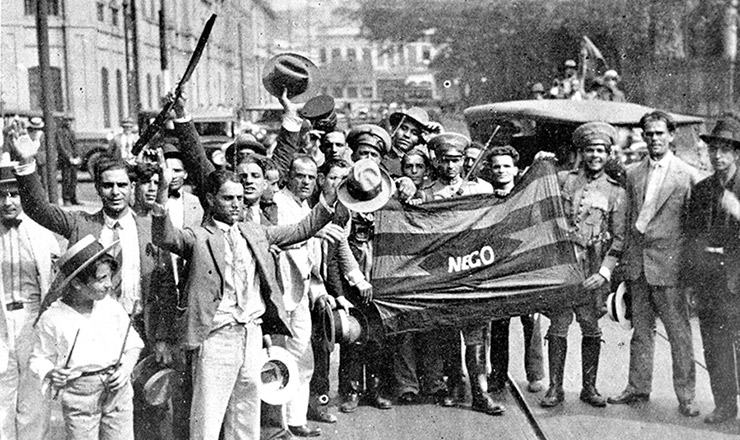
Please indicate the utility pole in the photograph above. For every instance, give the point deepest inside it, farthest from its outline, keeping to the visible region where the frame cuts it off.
(46, 98)
(163, 58)
(131, 52)
(730, 52)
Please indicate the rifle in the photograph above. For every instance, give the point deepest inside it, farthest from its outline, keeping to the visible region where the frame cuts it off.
(69, 358)
(478, 160)
(159, 121)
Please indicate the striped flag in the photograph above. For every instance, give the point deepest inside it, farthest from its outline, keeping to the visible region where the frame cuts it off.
(470, 259)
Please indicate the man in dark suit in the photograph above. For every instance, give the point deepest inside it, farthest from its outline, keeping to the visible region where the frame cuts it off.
(657, 196)
(713, 265)
(115, 221)
(232, 299)
(68, 160)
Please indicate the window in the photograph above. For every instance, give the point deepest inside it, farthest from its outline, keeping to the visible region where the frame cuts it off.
(367, 92)
(336, 54)
(105, 83)
(149, 90)
(322, 55)
(426, 54)
(159, 89)
(114, 16)
(351, 54)
(101, 12)
(29, 7)
(337, 92)
(401, 55)
(367, 56)
(119, 94)
(34, 88)
(352, 92)
(412, 55)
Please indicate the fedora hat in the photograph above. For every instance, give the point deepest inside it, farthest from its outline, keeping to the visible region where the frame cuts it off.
(619, 306)
(244, 141)
(290, 71)
(367, 188)
(279, 378)
(155, 382)
(7, 176)
(344, 327)
(727, 130)
(36, 123)
(416, 114)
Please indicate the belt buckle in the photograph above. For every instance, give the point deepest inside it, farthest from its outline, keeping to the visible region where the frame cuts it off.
(13, 306)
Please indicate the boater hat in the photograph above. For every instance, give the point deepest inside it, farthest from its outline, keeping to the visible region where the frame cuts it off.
(367, 188)
(279, 377)
(36, 123)
(619, 306)
(153, 381)
(727, 129)
(290, 71)
(78, 256)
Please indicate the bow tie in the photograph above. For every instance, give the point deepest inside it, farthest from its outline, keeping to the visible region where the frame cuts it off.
(175, 194)
(11, 223)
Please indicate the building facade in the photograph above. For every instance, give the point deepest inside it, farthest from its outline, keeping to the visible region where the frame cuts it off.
(112, 59)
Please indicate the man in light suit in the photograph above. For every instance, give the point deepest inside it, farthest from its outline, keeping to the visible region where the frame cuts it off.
(232, 299)
(119, 147)
(26, 254)
(658, 191)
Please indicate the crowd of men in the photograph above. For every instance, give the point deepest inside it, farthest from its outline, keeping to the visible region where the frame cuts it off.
(213, 279)
(569, 85)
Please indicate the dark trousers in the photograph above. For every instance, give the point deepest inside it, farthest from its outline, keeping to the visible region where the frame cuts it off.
(319, 385)
(69, 182)
(533, 359)
(362, 367)
(720, 331)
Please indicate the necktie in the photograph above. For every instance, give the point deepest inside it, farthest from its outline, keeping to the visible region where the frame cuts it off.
(175, 194)
(12, 223)
(237, 264)
(248, 214)
(649, 204)
(118, 255)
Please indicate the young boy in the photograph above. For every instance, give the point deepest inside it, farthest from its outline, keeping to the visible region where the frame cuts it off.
(85, 348)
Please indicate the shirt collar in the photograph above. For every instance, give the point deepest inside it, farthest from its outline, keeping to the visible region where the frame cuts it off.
(662, 162)
(223, 226)
(126, 221)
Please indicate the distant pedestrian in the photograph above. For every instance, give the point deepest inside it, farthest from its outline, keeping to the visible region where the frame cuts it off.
(68, 161)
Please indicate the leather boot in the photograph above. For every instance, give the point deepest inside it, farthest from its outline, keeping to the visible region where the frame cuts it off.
(557, 347)
(475, 360)
(373, 395)
(590, 349)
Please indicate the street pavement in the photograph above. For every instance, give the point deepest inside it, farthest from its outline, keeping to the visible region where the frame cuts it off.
(656, 419)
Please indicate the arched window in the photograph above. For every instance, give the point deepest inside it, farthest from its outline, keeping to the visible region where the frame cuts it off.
(119, 94)
(105, 83)
(34, 88)
(149, 89)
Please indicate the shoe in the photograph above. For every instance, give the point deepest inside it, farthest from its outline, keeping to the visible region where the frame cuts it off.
(688, 409)
(535, 386)
(350, 403)
(553, 397)
(628, 397)
(380, 402)
(304, 431)
(488, 406)
(408, 398)
(443, 398)
(593, 398)
(320, 415)
(720, 415)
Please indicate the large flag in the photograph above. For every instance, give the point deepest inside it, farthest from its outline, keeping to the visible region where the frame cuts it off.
(470, 259)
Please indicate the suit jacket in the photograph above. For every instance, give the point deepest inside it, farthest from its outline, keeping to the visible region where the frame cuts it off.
(709, 225)
(204, 249)
(658, 252)
(75, 225)
(115, 145)
(45, 249)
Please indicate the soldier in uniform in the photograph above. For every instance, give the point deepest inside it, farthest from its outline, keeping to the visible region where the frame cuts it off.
(449, 149)
(594, 205)
(712, 265)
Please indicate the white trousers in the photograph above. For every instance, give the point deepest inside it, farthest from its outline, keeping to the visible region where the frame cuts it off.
(24, 412)
(225, 375)
(299, 323)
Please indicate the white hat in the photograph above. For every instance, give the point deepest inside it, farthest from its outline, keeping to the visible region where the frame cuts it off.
(618, 306)
(279, 378)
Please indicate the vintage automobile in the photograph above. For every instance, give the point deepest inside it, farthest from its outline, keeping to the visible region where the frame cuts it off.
(532, 125)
